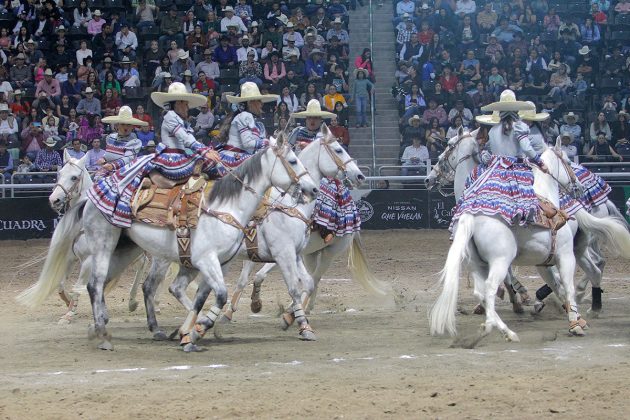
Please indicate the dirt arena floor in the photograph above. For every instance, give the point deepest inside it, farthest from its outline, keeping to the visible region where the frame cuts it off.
(373, 359)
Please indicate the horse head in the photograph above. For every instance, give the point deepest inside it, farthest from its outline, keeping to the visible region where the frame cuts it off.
(460, 148)
(73, 180)
(291, 172)
(558, 168)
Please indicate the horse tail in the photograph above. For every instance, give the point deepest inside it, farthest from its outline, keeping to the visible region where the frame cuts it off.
(614, 212)
(442, 314)
(357, 263)
(611, 230)
(55, 267)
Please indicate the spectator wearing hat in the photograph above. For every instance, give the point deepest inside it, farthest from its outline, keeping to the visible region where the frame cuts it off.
(9, 127)
(245, 50)
(362, 88)
(42, 103)
(148, 149)
(127, 75)
(89, 104)
(405, 31)
(250, 70)
(225, 54)
(208, 66)
(126, 42)
(6, 161)
(414, 157)
(49, 85)
(315, 66)
(292, 34)
(182, 64)
(33, 53)
(413, 128)
(20, 74)
(290, 49)
(229, 19)
(571, 127)
(338, 31)
(568, 145)
(170, 27)
(95, 25)
(48, 159)
(146, 135)
(274, 71)
(19, 106)
(85, 69)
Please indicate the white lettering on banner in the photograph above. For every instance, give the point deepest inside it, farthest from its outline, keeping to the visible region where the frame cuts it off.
(403, 211)
(22, 225)
(442, 215)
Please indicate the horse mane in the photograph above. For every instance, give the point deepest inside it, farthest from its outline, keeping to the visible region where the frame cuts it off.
(231, 184)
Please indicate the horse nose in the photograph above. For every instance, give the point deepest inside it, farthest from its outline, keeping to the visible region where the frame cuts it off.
(361, 177)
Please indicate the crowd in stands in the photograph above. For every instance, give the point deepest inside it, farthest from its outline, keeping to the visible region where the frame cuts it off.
(65, 64)
(570, 57)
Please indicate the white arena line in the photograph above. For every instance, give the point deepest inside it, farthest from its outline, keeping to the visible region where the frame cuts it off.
(337, 280)
(184, 367)
(119, 370)
(617, 345)
(408, 356)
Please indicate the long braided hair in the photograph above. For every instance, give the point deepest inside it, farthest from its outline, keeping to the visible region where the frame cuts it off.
(508, 118)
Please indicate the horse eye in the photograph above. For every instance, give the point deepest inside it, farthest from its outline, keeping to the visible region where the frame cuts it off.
(339, 151)
(293, 162)
(74, 178)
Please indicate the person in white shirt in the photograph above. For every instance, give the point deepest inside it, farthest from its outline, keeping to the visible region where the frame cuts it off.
(465, 7)
(127, 42)
(204, 123)
(230, 19)
(209, 66)
(241, 53)
(83, 52)
(567, 145)
(299, 41)
(8, 127)
(414, 158)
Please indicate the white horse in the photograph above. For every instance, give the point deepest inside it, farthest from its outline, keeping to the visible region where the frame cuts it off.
(490, 245)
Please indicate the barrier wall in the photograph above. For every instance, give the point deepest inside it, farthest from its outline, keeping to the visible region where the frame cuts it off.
(31, 218)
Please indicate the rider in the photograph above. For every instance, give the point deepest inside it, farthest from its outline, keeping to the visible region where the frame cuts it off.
(335, 212)
(122, 146)
(504, 184)
(112, 195)
(246, 132)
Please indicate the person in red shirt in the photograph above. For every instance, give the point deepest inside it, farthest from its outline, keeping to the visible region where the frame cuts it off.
(448, 80)
(599, 17)
(142, 116)
(340, 132)
(426, 34)
(19, 107)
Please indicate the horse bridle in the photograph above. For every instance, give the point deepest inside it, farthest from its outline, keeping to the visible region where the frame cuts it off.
(575, 183)
(444, 160)
(74, 188)
(341, 165)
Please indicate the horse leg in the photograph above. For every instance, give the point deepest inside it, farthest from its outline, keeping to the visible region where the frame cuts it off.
(311, 262)
(70, 299)
(586, 259)
(185, 276)
(133, 292)
(288, 267)
(514, 298)
(240, 286)
(496, 274)
(308, 284)
(519, 288)
(261, 275)
(213, 281)
(149, 287)
(551, 277)
(325, 260)
(566, 266)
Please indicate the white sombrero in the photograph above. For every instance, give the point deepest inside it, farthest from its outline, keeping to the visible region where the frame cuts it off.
(125, 116)
(177, 92)
(250, 92)
(489, 119)
(532, 115)
(313, 109)
(508, 103)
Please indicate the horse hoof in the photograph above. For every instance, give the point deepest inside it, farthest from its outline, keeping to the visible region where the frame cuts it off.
(308, 336)
(174, 335)
(287, 320)
(133, 305)
(593, 313)
(510, 336)
(106, 345)
(538, 307)
(518, 308)
(479, 310)
(160, 336)
(224, 319)
(525, 299)
(191, 348)
(577, 331)
(256, 306)
(91, 332)
(64, 321)
(582, 323)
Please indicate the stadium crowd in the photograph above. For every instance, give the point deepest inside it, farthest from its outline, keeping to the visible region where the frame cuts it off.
(68, 63)
(570, 57)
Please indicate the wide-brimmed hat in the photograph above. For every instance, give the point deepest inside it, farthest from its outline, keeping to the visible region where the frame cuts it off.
(532, 115)
(182, 55)
(97, 12)
(177, 92)
(290, 25)
(313, 109)
(88, 90)
(17, 92)
(508, 103)
(48, 72)
(489, 119)
(337, 20)
(571, 115)
(315, 51)
(364, 71)
(187, 73)
(414, 118)
(61, 28)
(584, 50)
(150, 143)
(569, 135)
(125, 116)
(20, 56)
(125, 60)
(50, 141)
(250, 92)
(4, 107)
(228, 9)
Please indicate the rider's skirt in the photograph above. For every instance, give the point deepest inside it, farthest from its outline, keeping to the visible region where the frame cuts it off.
(334, 208)
(596, 190)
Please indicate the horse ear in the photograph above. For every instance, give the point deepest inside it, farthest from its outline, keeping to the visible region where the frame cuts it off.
(325, 130)
(474, 133)
(66, 156)
(83, 161)
(558, 145)
(280, 139)
(272, 141)
(460, 131)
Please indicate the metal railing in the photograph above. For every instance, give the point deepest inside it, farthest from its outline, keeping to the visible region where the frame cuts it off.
(423, 166)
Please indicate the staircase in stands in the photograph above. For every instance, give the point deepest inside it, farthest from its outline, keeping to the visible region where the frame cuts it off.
(383, 60)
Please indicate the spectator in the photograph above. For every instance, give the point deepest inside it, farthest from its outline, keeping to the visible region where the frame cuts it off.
(89, 105)
(146, 14)
(600, 125)
(20, 74)
(95, 156)
(487, 18)
(204, 122)
(83, 52)
(341, 113)
(448, 80)
(203, 83)
(241, 53)
(48, 160)
(339, 32)
(75, 149)
(110, 82)
(601, 150)
(9, 127)
(143, 116)
(182, 64)
(622, 7)
(127, 42)
(361, 92)
(225, 54)
(414, 157)
(281, 113)
(275, 71)
(290, 49)
(51, 127)
(364, 61)
(230, 20)
(82, 16)
(128, 75)
(146, 135)
(315, 66)
(340, 132)
(622, 147)
(208, 66)
(560, 82)
(95, 25)
(621, 128)
(465, 7)
(460, 111)
(70, 128)
(49, 85)
(571, 127)
(434, 112)
(110, 103)
(332, 97)
(290, 99)
(19, 106)
(90, 128)
(170, 27)
(568, 145)
(311, 93)
(292, 34)
(411, 130)
(6, 161)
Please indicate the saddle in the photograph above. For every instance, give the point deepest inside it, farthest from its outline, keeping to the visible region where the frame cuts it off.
(552, 218)
(176, 207)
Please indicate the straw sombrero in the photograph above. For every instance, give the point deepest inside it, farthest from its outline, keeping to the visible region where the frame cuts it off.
(125, 116)
(177, 92)
(313, 109)
(532, 115)
(249, 92)
(489, 119)
(508, 103)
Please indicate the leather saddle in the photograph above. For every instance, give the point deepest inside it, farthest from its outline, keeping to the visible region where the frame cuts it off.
(550, 217)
